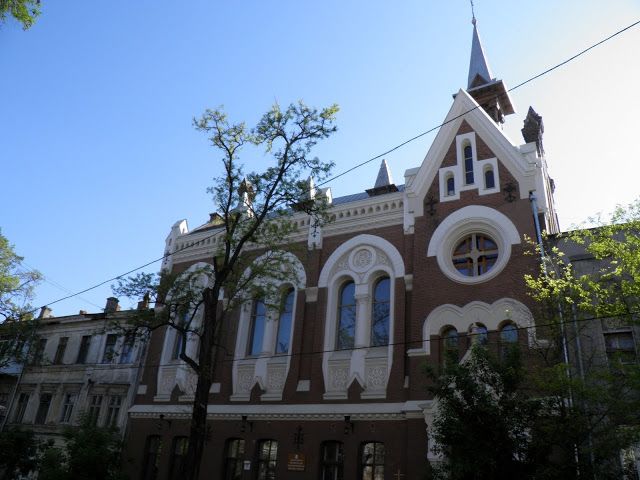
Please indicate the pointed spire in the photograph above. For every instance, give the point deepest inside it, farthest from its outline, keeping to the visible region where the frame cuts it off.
(384, 182)
(479, 71)
(384, 175)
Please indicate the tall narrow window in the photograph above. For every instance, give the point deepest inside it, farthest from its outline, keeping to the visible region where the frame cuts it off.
(43, 408)
(346, 317)
(468, 165)
(451, 185)
(67, 407)
(177, 344)
(62, 347)
(21, 407)
(109, 348)
(479, 334)
(267, 459)
(450, 344)
(284, 323)
(126, 355)
(332, 458)
(233, 459)
(113, 411)
(38, 352)
(85, 343)
(380, 313)
(258, 323)
(152, 451)
(508, 338)
(95, 405)
(178, 455)
(489, 181)
(372, 461)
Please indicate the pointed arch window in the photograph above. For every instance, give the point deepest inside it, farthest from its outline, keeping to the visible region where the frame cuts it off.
(258, 323)
(489, 180)
(468, 165)
(345, 338)
(380, 313)
(284, 322)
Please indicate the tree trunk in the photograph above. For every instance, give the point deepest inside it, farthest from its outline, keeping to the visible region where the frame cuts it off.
(206, 360)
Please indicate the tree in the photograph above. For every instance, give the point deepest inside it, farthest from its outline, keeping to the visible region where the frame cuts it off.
(16, 291)
(253, 228)
(89, 453)
(484, 417)
(578, 298)
(19, 451)
(24, 11)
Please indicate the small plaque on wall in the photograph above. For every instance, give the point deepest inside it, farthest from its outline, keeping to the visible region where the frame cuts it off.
(295, 462)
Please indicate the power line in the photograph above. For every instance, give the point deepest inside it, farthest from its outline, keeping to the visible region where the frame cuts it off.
(376, 157)
(432, 339)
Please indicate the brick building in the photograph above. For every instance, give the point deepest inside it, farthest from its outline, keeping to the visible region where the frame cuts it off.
(333, 385)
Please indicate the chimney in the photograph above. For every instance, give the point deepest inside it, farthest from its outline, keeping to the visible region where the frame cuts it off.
(144, 304)
(45, 312)
(83, 312)
(112, 305)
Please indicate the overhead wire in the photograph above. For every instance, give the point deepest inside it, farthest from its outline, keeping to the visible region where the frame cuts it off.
(361, 164)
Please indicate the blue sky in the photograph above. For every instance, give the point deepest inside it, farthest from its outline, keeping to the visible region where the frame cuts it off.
(99, 157)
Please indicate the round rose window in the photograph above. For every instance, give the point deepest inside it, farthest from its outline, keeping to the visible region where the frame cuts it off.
(475, 255)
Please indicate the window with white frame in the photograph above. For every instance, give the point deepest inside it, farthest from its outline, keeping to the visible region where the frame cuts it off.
(380, 312)
(109, 348)
(95, 405)
(257, 328)
(69, 401)
(113, 411)
(346, 332)
(468, 164)
(284, 321)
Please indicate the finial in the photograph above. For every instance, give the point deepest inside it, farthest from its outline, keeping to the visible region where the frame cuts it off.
(473, 14)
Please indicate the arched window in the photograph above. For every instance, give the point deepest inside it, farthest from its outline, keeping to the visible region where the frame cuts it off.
(152, 451)
(468, 165)
(178, 456)
(258, 322)
(508, 338)
(451, 185)
(346, 317)
(450, 344)
(372, 461)
(267, 459)
(380, 313)
(233, 459)
(332, 458)
(479, 334)
(489, 181)
(284, 322)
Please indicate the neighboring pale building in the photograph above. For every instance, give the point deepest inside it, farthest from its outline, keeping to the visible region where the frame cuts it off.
(77, 364)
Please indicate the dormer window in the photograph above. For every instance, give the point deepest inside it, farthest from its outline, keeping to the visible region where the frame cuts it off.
(468, 165)
(489, 180)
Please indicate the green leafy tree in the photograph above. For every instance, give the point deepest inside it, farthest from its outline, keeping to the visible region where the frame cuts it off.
(89, 453)
(589, 281)
(482, 428)
(253, 223)
(16, 292)
(24, 11)
(19, 453)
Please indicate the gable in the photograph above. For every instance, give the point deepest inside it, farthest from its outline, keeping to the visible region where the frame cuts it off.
(466, 119)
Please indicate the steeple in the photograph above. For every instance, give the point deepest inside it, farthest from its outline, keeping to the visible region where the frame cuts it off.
(479, 71)
(384, 182)
(490, 93)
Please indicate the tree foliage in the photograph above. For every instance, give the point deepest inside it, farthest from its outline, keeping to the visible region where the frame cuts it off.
(19, 453)
(16, 292)
(89, 453)
(250, 239)
(24, 11)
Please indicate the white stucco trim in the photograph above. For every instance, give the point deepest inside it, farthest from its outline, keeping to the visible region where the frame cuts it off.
(491, 315)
